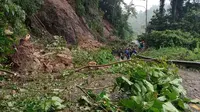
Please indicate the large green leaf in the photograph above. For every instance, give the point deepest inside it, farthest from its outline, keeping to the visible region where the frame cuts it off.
(127, 80)
(176, 82)
(137, 99)
(168, 107)
(137, 87)
(179, 89)
(181, 104)
(147, 105)
(171, 95)
(128, 103)
(157, 106)
(149, 86)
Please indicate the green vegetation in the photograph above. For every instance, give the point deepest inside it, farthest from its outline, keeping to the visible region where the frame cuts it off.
(170, 38)
(29, 6)
(93, 16)
(11, 18)
(173, 53)
(95, 11)
(39, 104)
(141, 86)
(176, 27)
(114, 13)
(181, 16)
(81, 57)
(146, 87)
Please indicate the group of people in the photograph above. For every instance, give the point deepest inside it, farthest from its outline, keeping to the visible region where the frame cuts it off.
(126, 53)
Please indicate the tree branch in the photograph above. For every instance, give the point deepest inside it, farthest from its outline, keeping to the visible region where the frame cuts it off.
(6, 71)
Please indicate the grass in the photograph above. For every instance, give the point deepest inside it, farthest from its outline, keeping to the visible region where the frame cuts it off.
(175, 53)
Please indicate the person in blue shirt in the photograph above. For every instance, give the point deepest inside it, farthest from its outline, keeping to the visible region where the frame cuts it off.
(127, 53)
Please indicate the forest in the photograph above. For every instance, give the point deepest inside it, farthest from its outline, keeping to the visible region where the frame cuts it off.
(65, 56)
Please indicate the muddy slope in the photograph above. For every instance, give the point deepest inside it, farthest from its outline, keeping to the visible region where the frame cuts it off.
(59, 18)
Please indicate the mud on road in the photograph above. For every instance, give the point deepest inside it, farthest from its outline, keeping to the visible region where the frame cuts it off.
(191, 82)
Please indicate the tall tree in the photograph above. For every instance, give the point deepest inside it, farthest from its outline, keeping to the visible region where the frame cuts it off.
(162, 9)
(177, 9)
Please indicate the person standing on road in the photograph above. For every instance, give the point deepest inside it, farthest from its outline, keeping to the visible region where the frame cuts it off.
(141, 47)
(121, 54)
(127, 52)
(134, 51)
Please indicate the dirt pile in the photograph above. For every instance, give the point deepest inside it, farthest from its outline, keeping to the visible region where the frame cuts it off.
(59, 18)
(24, 60)
(29, 59)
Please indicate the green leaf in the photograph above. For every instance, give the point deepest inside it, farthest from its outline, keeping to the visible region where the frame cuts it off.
(46, 105)
(168, 107)
(137, 99)
(57, 99)
(179, 89)
(154, 109)
(181, 104)
(128, 103)
(104, 95)
(176, 82)
(143, 88)
(157, 105)
(149, 86)
(59, 105)
(171, 95)
(126, 80)
(148, 105)
(10, 104)
(162, 98)
(138, 87)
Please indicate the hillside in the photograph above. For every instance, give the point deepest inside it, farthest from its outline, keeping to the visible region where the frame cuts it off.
(60, 18)
(78, 56)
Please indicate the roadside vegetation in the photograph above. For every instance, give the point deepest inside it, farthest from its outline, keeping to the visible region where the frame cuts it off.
(174, 33)
(173, 53)
(129, 86)
(138, 86)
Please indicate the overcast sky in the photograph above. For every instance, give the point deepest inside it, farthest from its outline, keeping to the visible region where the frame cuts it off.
(143, 3)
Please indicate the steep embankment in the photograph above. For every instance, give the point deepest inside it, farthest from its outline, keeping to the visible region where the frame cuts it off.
(59, 17)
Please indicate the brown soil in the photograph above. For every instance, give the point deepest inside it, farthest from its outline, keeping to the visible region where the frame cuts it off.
(59, 18)
(29, 59)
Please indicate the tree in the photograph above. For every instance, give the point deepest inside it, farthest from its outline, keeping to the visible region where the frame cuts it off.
(29, 6)
(177, 9)
(114, 13)
(12, 18)
(162, 9)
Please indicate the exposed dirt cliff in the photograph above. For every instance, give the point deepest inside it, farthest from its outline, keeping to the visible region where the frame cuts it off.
(58, 17)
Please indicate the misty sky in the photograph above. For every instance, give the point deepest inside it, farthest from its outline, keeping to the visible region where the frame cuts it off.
(143, 3)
